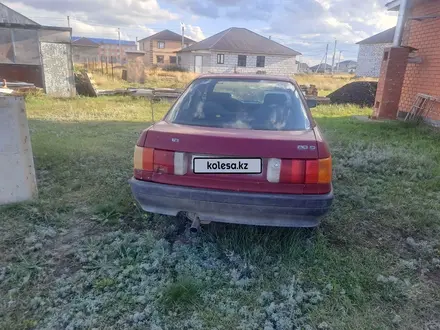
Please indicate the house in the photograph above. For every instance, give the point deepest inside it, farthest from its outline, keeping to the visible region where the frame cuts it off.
(239, 50)
(371, 53)
(302, 67)
(109, 48)
(160, 48)
(412, 65)
(33, 53)
(85, 50)
(347, 66)
(321, 68)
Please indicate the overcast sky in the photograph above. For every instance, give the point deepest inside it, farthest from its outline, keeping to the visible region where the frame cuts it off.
(304, 25)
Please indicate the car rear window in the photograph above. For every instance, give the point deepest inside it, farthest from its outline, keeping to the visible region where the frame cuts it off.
(241, 104)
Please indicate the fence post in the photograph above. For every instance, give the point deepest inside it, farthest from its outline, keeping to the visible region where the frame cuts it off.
(111, 60)
(102, 65)
(106, 65)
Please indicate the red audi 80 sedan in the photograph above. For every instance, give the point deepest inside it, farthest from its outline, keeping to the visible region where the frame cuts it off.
(240, 149)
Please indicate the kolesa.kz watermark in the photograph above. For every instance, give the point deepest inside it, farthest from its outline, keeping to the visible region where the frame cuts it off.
(203, 165)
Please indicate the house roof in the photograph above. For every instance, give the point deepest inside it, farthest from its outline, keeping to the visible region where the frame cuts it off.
(321, 67)
(84, 42)
(168, 35)
(241, 40)
(348, 62)
(9, 15)
(385, 37)
(108, 41)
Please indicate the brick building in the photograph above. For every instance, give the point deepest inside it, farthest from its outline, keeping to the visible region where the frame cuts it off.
(160, 48)
(371, 52)
(84, 50)
(239, 50)
(412, 65)
(109, 48)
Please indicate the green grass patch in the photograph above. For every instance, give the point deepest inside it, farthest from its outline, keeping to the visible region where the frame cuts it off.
(84, 256)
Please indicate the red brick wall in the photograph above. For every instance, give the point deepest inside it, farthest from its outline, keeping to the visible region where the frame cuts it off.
(425, 36)
(389, 89)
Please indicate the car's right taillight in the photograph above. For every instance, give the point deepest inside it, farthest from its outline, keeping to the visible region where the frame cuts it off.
(299, 171)
(319, 171)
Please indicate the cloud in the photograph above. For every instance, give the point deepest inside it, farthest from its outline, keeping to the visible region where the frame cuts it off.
(194, 32)
(118, 13)
(304, 25)
(200, 8)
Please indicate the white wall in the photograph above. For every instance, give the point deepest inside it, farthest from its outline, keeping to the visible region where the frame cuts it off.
(274, 65)
(17, 172)
(370, 60)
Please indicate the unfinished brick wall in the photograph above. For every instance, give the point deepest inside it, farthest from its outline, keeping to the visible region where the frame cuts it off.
(392, 72)
(423, 77)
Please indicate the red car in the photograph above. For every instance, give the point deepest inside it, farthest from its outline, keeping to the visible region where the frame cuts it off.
(239, 149)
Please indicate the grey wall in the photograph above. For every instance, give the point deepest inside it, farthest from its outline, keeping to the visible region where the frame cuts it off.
(275, 65)
(82, 54)
(19, 46)
(370, 60)
(58, 69)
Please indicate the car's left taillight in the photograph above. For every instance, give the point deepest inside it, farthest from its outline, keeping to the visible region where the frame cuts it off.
(148, 160)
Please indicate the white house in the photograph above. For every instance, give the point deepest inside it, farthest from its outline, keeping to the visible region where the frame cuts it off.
(239, 50)
(371, 52)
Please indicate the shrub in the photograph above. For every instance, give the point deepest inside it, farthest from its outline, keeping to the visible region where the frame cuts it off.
(174, 68)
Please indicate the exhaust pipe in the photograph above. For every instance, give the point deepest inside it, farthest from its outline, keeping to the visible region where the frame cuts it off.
(195, 226)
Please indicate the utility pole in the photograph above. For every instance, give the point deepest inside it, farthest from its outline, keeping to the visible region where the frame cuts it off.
(68, 21)
(334, 56)
(119, 44)
(326, 58)
(317, 69)
(182, 26)
(339, 61)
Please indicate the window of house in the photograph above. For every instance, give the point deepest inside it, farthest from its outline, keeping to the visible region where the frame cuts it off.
(159, 58)
(241, 60)
(185, 45)
(220, 58)
(179, 60)
(172, 59)
(161, 44)
(261, 61)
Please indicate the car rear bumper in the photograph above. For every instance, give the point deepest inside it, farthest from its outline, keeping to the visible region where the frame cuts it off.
(279, 210)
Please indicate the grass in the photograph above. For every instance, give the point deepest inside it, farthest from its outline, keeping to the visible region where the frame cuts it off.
(157, 78)
(84, 256)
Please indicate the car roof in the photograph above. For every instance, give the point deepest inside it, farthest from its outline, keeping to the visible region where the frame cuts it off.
(245, 77)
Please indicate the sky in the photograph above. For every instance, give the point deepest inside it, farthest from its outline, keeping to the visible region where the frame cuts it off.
(306, 26)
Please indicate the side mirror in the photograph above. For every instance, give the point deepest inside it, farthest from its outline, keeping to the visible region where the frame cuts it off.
(312, 103)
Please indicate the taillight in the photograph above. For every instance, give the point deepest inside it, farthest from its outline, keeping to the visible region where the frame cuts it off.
(319, 171)
(292, 171)
(163, 161)
(148, 161)
(299, 171)
(143, 158)
(325, 170)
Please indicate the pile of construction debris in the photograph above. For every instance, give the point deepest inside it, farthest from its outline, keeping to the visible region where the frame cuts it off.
(362, 93)
(86, 86)
(16, 88)
(311, 93)
(309, 90)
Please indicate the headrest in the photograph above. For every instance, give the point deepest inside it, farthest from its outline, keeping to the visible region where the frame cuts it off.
(275, 98)
(219, 96)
